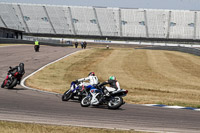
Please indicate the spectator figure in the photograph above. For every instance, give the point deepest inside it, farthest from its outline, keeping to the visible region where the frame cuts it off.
(84, 44)
(76, 44)
(107, 47)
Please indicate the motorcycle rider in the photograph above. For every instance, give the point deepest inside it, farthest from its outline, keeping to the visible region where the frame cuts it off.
(93, 80)
(92, 85)
(19, 69)
(114, 85)
(37, 45)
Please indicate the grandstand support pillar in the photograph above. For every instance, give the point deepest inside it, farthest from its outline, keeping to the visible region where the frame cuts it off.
(3, 22)
(70, 13)
(45, 10)
(96, 17)
(195, 25)
(23, 18)
(120, 23)
(146, 24)
(169, 21)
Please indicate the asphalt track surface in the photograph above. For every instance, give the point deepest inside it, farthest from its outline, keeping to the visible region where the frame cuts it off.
(26, 105)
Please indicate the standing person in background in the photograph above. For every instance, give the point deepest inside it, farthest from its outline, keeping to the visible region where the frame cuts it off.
(76, 44)
(84, 44)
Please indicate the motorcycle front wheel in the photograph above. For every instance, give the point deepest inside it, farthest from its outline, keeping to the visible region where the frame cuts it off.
(115, 102)
(67, 95)
(2, 85)
(13, 84)
(85, 102)
(84, 93)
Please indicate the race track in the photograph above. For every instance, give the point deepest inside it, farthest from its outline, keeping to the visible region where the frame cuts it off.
(24, 105)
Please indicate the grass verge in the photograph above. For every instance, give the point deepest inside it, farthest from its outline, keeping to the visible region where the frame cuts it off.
(165, 77)
(15, 127)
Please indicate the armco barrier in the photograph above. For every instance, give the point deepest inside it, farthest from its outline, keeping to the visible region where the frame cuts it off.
(17, 41)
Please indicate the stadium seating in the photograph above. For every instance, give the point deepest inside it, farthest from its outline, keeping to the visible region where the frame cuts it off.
(182, 24)
(60, 19)
(101, 21)
(1, 23)
(133, 23)
(107, 21)
(84, 20)
(198, 25)
(16, 8)
(157, 21)
(9, 17)
(36, 19)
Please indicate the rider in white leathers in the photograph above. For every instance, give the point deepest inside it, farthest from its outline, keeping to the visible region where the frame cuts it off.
(93, 80)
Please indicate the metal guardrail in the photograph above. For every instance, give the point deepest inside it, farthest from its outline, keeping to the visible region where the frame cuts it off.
(17, 41)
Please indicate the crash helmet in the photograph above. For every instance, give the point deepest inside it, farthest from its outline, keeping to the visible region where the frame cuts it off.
(112, 78)
(21, 68)
(21, 65)
(91, 74)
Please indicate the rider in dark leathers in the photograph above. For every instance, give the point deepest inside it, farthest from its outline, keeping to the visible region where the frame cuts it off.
(112, 82)
(114, 85)
(19, 69)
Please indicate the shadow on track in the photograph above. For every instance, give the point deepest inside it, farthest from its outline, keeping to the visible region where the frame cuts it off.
(96, 107)
(15, 89)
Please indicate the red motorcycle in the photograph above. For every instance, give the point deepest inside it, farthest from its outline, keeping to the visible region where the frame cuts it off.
(12, 79)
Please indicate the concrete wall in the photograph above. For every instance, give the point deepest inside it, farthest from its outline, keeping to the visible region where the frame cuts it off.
(8, 33)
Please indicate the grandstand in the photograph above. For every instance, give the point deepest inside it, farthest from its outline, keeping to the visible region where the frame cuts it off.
(100, 21)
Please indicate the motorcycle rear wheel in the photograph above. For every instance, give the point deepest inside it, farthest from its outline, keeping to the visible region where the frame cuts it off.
(36, 48)
(67, 95)
(115, 102)
(85, 102)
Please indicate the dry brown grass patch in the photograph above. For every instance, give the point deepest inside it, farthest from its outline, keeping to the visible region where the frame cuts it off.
(151, 76)
(14, 127)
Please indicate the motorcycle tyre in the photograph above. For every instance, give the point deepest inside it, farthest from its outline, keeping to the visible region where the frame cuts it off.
(67, 95)
(117, 105)
(82, 102)
(13, 84)
(36, 48)
(2, 85)
(83, 94)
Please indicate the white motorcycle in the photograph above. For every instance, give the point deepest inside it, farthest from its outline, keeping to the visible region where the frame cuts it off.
(104, 96)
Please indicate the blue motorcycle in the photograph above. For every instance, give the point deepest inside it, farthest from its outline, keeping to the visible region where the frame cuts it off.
(76, 92)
